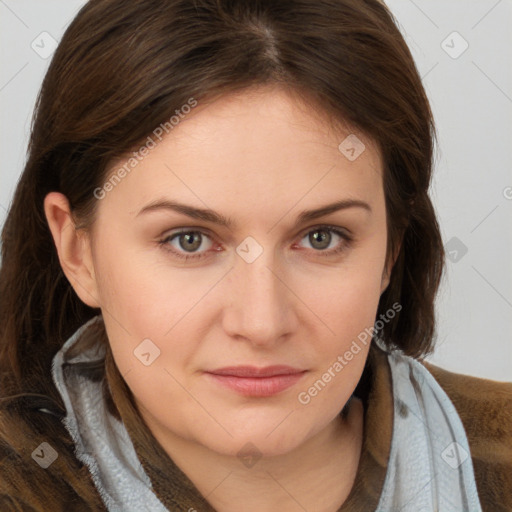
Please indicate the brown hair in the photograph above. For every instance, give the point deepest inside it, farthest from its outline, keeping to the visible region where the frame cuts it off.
(124, 66)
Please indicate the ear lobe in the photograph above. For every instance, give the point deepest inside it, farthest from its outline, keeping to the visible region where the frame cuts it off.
(73, 248)
(385, 279)
(388, 268)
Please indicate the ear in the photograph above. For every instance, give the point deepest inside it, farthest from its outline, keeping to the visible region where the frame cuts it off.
(73, 248)
(386, 274)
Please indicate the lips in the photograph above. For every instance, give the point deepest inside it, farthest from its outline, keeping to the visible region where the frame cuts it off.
(254, 381)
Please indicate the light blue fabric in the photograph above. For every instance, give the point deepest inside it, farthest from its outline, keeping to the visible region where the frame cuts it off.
(101, 441)
(429, 468)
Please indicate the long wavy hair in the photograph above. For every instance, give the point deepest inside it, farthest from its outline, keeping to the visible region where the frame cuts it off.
(123, 67)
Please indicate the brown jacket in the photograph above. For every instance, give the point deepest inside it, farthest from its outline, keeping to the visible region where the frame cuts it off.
(484, 406)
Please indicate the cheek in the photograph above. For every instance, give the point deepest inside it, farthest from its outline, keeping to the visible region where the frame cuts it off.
(341, 354)
(353, 302)
(348, 309)
(145, 289)
(348, 300)
(132, 291)
(135, 305)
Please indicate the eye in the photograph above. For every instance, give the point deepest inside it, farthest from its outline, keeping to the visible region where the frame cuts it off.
(327, 240)
(185, 244)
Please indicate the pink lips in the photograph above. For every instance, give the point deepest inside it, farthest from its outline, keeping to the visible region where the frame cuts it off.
(253, 381)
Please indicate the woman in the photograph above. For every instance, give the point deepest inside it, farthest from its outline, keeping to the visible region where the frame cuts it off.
(219, 273)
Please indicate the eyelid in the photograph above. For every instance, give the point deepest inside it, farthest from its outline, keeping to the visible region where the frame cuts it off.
(328, 227)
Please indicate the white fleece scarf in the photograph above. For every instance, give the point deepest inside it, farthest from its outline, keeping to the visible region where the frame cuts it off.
(429, 467)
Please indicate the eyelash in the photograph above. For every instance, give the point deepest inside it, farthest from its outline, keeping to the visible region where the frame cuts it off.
(347, 240)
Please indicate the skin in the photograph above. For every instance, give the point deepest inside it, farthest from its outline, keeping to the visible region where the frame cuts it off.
(260, 158)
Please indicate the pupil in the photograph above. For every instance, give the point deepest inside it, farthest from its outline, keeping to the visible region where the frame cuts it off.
(190, 243)
(321, 236)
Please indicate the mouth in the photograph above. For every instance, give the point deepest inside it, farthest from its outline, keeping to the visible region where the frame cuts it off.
(256, 382)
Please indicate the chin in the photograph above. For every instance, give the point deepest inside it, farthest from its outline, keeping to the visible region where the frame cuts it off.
(259, 439)
(254, 447)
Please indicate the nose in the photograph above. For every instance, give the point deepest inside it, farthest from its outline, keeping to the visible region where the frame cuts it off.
(259, 306)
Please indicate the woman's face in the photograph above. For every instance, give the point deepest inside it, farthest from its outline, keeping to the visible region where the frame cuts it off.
(265, 284)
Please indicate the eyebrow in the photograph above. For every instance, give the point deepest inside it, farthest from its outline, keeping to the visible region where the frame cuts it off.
(214, 217)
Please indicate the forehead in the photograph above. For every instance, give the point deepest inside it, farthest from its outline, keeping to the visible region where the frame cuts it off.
(255, 148)
(265, 117)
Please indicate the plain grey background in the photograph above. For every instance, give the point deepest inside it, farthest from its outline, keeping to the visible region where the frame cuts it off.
(463, 51)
